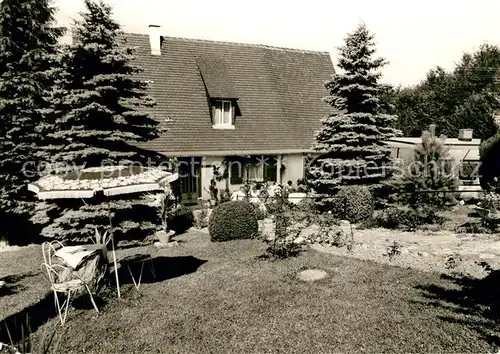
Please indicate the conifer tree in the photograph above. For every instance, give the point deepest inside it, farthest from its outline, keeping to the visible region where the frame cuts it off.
(350, 142)
(101, 114)
(102, 105)
(28, 48)
(425, 187)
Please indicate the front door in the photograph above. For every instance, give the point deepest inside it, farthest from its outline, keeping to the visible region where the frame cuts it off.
(190, 177)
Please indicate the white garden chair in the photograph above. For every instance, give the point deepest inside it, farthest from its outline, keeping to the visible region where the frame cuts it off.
(66, 287)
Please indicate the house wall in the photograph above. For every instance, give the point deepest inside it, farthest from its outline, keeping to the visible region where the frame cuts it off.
(294, 169)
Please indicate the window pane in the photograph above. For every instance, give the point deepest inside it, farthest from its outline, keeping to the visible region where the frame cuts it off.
(217, 112)
(227, 113)
(256, 172)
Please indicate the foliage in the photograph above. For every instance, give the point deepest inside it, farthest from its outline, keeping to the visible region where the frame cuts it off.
(453, 261)
(180, 219)
(232, 220)
(350, 142)
(353, 203)
(28, 48)
(74, 221)
(406, 218)
(284, 243)
(99, 117)
(307, 205)
(393, 250)
(463, 98)
(303, 185)
(102, 112)
(425, 186)
(201, 218)
(489, 169)
(331, 234)
(260, 213)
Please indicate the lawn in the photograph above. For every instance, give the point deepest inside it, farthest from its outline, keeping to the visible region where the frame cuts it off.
(219, 298)
(26, 285)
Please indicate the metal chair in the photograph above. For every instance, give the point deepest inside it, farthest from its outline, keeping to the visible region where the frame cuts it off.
(66, 287)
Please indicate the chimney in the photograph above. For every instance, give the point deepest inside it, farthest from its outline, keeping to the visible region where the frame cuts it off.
(465, 134)
(155, 39)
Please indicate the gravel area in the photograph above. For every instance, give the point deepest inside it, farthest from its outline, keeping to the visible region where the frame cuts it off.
(428, 251)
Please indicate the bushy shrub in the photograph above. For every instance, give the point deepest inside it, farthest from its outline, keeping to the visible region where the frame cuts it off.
(233, 220)
(307, 205)
(201, 218)
(180, 219)
(353, 203)
(258, 210)
(402, 217)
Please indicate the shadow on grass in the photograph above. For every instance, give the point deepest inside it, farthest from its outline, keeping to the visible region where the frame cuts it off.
(476, 304)
(164, 268)
(11, 287)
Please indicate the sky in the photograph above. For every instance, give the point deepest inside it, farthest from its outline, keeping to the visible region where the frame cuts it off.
(413, 36)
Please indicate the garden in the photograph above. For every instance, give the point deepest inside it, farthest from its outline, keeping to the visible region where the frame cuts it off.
(98, 255)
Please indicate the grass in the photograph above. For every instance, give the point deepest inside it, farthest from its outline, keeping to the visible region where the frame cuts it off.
(26, 285)
(220, 298)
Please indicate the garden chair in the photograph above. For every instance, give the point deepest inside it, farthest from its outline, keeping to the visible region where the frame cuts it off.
(66, 287)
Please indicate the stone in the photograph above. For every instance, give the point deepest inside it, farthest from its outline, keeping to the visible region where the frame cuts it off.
(2, 284)
(171, 244)
(344, 223)
(299, 240)
(312, 274)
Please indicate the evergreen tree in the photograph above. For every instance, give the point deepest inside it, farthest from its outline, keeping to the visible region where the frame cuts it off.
(101, 104)
(422, 189)
(351, 140)
(28, 48)
(100, 113)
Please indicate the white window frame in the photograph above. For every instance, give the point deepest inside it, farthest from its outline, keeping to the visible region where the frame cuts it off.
(218, 115)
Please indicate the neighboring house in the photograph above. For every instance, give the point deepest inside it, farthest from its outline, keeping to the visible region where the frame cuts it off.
(463, 151)
(228, 101)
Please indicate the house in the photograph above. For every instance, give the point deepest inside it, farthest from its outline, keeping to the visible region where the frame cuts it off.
(463, 151)
(234, 105)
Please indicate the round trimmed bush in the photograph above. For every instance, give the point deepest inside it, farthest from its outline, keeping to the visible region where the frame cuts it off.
(353, 203)
(232, 221)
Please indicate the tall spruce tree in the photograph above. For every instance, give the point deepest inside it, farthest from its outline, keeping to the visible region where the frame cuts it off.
(101, 114)
(28, 51)
(350, 142)
(28, 48)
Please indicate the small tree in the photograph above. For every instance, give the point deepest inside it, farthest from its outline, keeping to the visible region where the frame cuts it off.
(424, 186)
(350, 142)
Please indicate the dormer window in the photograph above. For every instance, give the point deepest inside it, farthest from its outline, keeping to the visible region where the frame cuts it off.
(223, 113)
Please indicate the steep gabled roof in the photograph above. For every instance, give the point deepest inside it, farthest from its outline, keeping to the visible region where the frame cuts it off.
(279, 94)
